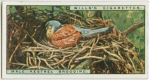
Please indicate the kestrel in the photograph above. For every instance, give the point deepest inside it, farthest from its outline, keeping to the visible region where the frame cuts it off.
(67, 35)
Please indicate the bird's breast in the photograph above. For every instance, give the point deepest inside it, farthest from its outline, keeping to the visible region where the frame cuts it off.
(49, 33)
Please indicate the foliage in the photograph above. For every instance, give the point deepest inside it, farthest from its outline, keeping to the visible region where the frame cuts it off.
(125, 19)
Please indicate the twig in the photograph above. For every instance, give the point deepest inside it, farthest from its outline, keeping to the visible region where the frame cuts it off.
(21, 64)
(27, 59)
(63, 66)
(62, 59)
(114, 55)
(35, 30)
(96, 62)
(115, 60)
(37, 67)
(132, 28)
(90, 53)
(74, 14)
(131, 62)
(30, 62)
(39, 63)
(35, 62)
(77, 20)
(87, 57)
(45, 62)
(10, 59)
(76, 56)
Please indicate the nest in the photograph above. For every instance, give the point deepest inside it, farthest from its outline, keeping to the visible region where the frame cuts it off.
(28, 48)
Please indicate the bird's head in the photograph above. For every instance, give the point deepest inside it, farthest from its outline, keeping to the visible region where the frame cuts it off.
(53, 26)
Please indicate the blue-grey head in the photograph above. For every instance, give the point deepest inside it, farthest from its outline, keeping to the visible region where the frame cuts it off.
(53, 26)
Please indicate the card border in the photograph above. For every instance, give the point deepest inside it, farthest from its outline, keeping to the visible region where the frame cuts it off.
(83, 76)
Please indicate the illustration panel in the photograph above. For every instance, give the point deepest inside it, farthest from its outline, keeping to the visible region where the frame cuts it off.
(75, 39)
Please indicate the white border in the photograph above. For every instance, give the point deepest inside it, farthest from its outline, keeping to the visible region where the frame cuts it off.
(84, 76)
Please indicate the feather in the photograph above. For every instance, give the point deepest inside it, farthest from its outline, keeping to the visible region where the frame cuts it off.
(87, 32)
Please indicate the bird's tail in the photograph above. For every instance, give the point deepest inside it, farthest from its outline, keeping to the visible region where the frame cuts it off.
(87, 32)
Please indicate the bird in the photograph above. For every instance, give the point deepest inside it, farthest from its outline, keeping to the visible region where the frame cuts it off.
(68, 35)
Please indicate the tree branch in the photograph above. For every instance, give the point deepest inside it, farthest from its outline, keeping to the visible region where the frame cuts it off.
(133, 27)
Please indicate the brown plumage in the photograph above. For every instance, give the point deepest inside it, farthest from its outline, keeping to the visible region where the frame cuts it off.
(66, 36)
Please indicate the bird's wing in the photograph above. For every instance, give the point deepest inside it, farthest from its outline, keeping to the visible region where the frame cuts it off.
(86, 32)
(64, 32)
(66, 41)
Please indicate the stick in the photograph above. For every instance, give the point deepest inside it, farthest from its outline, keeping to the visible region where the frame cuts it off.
(37, 67)
(88, 57)
(133, 27)
(19, 64)
(30, 62)
(76, 56)
(10, 59)
(45, 62)
(74, 14)
(114, 55)
(77, 20)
